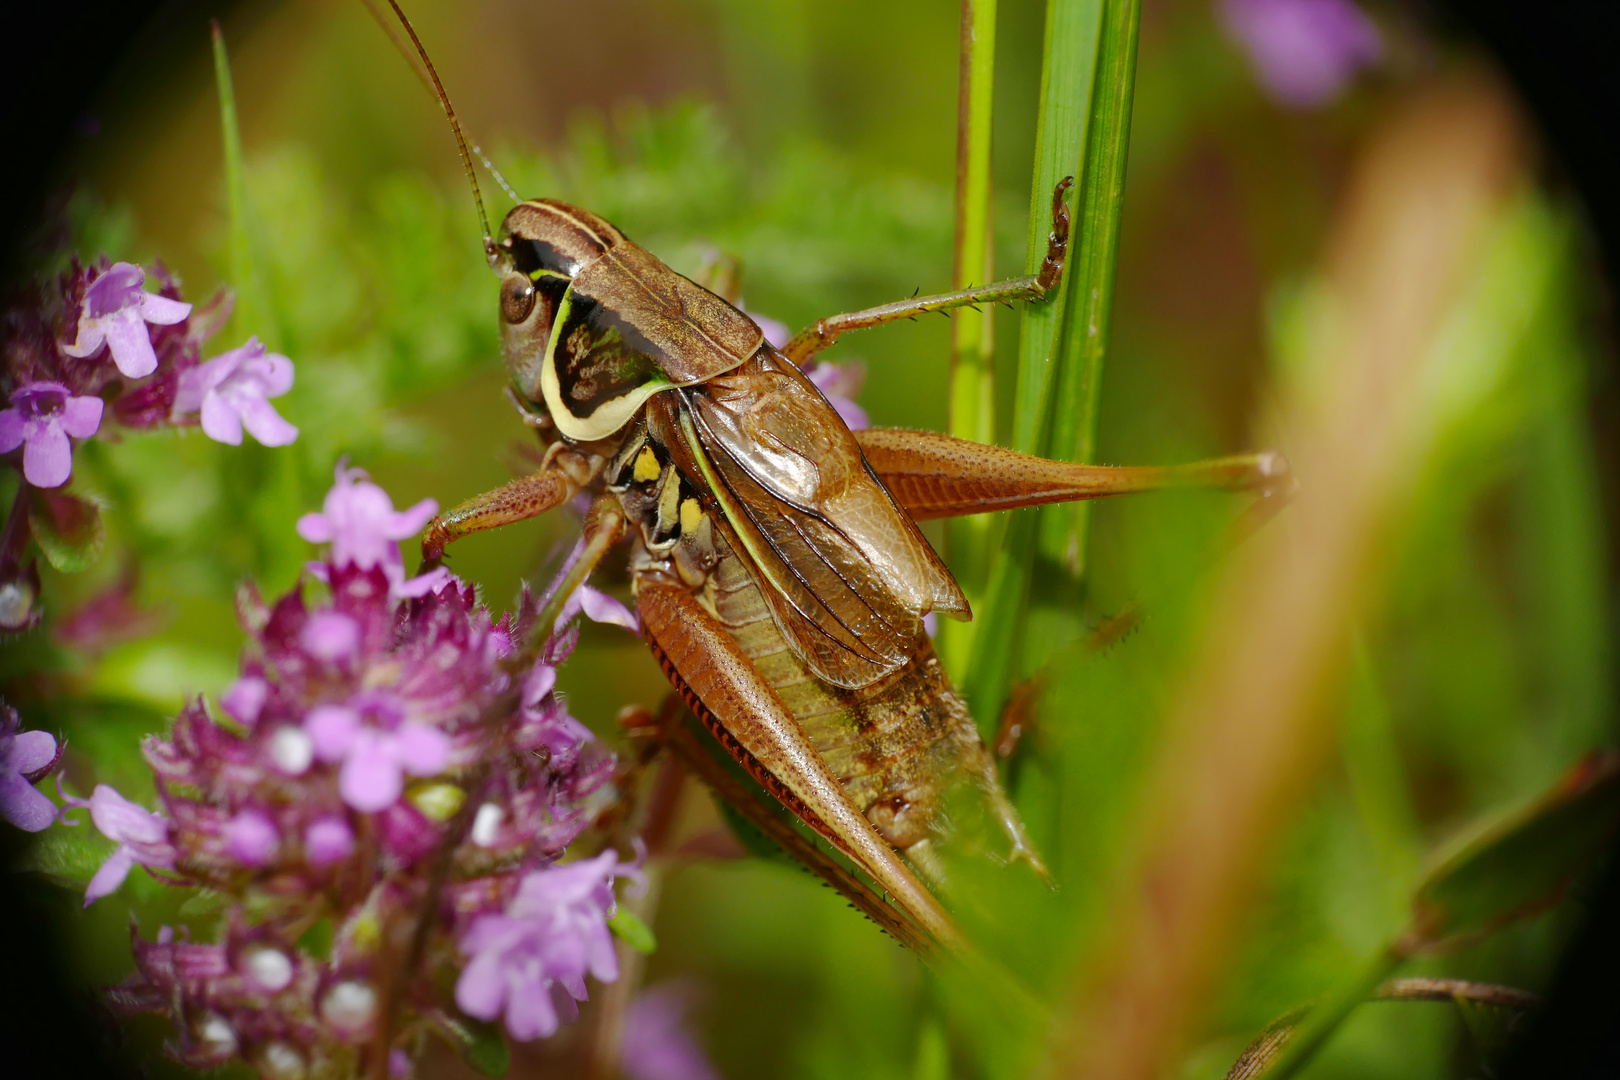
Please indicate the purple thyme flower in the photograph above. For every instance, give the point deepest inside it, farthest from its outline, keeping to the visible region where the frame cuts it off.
(530, 961)
(251, 838)
(295, 787)
(142, 837)
(115, 313)
(657, 1045)
(599, 607)
(43, 415)
(328, 840)
(359, 520)
(1304, 52)
(546, 722)
(231, 391)
(376, 745)
(245, 698)
(840, 383)
(25, 756)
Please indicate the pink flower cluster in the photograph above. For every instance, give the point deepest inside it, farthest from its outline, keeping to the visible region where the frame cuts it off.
(380, 726)
(102, 342)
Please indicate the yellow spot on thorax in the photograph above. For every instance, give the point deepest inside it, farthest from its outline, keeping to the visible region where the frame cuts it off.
(691, 516)
(646, 466)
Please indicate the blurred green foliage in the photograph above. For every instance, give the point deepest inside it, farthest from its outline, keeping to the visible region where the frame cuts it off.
(1489, 671)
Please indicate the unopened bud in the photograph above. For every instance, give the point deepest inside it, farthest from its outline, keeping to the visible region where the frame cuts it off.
(349, 1006)
(291, 750)
(17, 611)
(270, 968)
(487, 824)
(216, 1036)
(282, 1061)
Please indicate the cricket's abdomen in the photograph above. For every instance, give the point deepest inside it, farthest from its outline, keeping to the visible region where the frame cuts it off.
(898, 744)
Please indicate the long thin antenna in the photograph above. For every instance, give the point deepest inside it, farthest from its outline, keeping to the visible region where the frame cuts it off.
(490, 251)
(421, 73)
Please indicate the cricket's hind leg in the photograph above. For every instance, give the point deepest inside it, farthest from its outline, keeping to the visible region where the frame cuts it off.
(938, 476)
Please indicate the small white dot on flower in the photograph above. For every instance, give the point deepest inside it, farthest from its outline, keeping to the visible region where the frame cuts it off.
(279, 1061)
(217, 1035)
(486, 824)
(291, 750)
(349, 1005)
(270, 968)
(16, 604)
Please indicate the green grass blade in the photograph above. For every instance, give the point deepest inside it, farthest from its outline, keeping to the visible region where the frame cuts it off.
(1091, 278)
(1085, 111)
(1065, 108)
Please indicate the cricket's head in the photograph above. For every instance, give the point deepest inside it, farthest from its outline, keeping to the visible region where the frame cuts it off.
(544, 245)
(590, 385)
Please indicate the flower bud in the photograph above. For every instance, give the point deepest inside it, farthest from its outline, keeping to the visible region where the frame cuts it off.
(268, 967)
(349, 1006)
(282, 1061)
(252, 838)
(487, 824)
(17, 611)
(216, 1037)
(291, 750)
(327, 841)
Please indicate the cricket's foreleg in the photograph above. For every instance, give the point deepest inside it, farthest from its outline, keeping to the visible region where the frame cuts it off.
(721, 685)
(558, 480)
(937, 476)
(824, 332)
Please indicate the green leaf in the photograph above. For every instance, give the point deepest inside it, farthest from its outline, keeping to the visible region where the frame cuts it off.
(1520, 863)
(629, 928)
(68, 529)
(484, 1047)
(69, 856)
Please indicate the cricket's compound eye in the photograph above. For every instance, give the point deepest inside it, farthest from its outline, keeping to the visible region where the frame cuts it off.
(528, 305)
(517, 298)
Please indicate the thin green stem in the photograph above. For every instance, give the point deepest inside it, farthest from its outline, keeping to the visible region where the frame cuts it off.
(252, 311)
(972, 389)
(973, 393)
